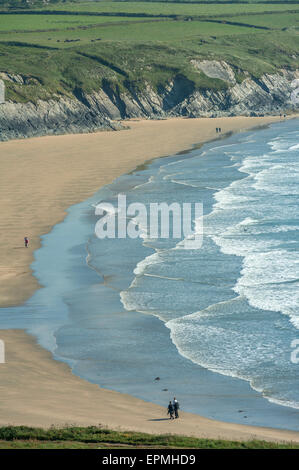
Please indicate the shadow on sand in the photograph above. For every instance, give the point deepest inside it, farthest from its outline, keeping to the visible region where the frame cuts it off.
(159, 419)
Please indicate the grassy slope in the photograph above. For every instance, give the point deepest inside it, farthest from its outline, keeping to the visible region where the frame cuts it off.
(81, 50)
(98, 437)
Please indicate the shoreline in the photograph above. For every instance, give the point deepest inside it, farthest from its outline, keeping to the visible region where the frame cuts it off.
(49, 404)
(22, 208)
(38, 371)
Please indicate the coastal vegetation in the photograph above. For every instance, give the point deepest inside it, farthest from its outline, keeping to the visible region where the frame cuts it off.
(92, 437)
(69, 48)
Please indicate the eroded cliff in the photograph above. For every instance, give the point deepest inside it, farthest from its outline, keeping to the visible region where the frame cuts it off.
(241, 94)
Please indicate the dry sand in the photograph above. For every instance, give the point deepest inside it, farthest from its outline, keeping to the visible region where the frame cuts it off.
(39, 179)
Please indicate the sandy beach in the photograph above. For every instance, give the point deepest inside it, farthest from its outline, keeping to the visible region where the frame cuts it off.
(39, 179)
(38, 391)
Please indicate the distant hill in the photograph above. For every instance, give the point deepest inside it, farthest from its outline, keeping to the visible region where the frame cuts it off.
(78, 66)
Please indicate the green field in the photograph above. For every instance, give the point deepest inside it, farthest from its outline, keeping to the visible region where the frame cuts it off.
(150, 31)
(132, 44)
(154, 8)
(194, 21)
(15, 23)
(280, 21)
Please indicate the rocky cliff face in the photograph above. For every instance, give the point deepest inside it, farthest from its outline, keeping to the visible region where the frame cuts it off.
(271, 94)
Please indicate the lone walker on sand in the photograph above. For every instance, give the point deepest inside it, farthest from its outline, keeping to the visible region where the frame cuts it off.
(26, 242)
(176, 407)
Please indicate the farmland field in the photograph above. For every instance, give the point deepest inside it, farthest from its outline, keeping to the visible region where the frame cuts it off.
(283, 20)
(166, 8)
(12, 23)
(165, 31)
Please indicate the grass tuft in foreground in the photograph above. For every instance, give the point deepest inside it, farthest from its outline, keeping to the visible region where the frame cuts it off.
(22, 437)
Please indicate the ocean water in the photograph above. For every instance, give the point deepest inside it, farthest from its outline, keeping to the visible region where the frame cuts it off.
(217, 323)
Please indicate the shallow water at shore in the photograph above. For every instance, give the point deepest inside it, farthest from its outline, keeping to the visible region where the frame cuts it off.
(80, 315)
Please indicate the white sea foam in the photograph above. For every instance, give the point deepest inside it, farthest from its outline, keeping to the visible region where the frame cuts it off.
(264, 266)
(146, 262)
(218, 345)
(149, 181)
(294, 147)
(270, 281)
(249, 219)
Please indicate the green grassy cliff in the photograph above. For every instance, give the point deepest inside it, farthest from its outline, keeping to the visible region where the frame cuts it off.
(106, 60)
(66, 46)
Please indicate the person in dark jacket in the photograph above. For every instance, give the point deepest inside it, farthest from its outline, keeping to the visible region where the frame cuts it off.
(170, 410)
(176, 407)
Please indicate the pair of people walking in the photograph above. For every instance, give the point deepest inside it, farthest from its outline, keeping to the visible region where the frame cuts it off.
(173, 409)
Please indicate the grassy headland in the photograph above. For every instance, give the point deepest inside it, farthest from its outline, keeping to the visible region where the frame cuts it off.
(66, 48)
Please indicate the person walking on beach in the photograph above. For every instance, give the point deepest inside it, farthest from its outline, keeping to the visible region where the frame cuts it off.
(170, 410)
(176, 407)
(26, 242)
